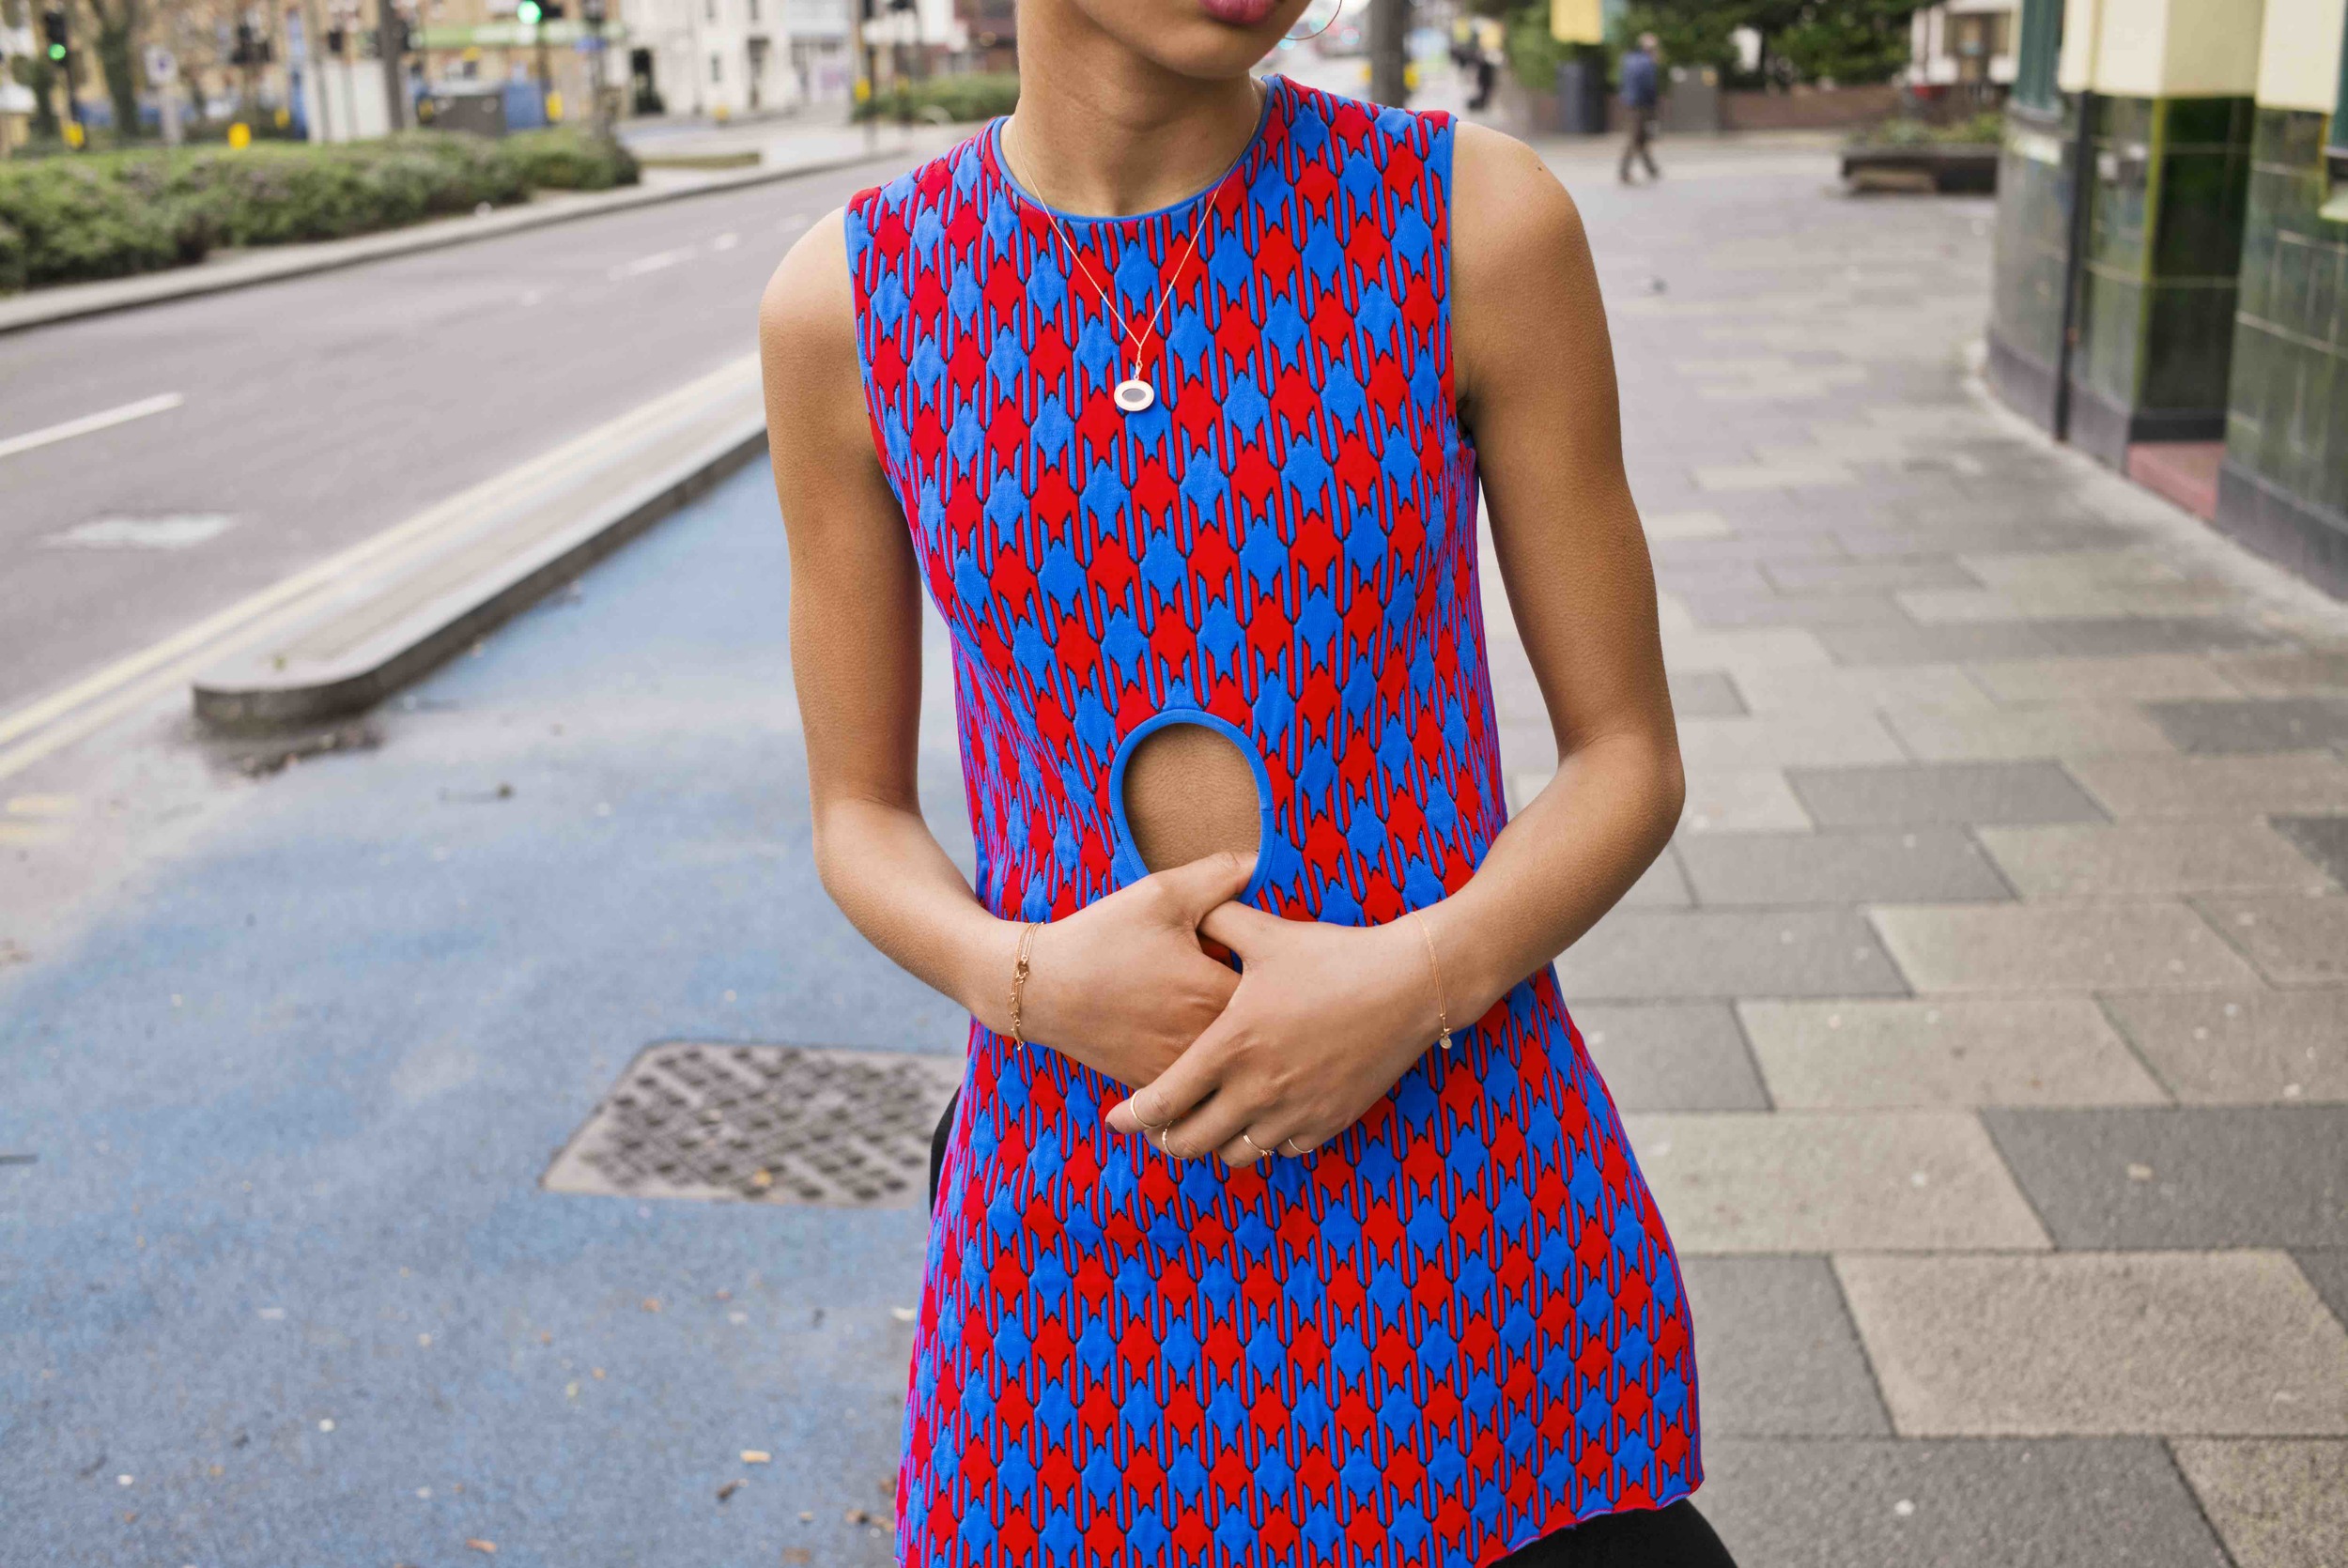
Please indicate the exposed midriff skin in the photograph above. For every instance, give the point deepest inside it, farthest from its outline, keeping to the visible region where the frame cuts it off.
(1189, 793)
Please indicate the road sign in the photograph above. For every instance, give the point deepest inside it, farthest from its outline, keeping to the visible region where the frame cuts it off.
(163, 66)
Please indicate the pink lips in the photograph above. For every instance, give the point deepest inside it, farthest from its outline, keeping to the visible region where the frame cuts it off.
(1238, 13)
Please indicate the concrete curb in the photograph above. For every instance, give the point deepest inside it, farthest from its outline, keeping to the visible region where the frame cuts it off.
(74, 302)
(254, 695)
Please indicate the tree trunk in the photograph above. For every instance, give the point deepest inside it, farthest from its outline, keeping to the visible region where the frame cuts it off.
(117, 46)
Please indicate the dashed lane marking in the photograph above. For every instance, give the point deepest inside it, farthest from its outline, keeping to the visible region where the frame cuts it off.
(90, 423)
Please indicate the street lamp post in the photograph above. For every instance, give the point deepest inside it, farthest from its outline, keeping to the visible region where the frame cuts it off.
(1389, 51)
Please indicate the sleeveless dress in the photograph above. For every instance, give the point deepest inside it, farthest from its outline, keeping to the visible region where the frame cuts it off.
(1460, 1326)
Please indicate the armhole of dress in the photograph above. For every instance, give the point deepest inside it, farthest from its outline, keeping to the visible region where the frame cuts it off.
(858, 234)
(1442, 148)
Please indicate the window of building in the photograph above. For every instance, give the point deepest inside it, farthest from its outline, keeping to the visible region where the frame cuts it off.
(709, 10)
(2041, 45)
(753, 9)
(717, 69)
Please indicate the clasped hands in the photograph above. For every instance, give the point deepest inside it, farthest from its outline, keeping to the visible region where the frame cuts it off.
(1278, 1058)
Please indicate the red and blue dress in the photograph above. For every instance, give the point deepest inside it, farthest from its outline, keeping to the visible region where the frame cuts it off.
(1460, 1326)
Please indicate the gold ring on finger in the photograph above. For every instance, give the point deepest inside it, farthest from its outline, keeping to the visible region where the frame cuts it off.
(1289, 1145)
(1261, 1152)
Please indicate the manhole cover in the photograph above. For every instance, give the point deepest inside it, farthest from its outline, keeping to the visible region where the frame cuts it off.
(767, 1123)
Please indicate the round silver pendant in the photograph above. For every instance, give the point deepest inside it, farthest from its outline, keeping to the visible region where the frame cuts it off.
(1133, 394)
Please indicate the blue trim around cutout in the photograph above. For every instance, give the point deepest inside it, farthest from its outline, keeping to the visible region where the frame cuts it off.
(1125, 864)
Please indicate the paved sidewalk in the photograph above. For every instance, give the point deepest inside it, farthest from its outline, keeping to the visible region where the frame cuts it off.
(1984, 1031)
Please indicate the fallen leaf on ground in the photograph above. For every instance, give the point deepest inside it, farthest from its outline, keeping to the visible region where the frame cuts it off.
(728, 1490)
(651, 1304)
(488, 1547)
(795, 1554)
(757, 1456)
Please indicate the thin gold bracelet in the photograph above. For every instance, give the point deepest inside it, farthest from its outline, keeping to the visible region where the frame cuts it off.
(1443, 1015)
(1019, 983)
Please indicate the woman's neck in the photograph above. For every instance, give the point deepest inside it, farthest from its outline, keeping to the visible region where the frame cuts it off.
(1102, 133)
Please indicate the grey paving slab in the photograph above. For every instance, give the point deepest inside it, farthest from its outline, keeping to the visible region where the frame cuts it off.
(2305, 783)
(1671, 1056)
(2294, 939)
(2231, 1344)
(2183, 1177)
(2327, 1273)
(1958, 792)
(2149, 859)
(2289, 673)
(2103, 636)
(2102, 1502)
(1704, 694)
(1740, 800)
(2207, 726)
(1769, 609)
(1851, 577)
(1853, 1055)
(2249, 1047)
(1814, 1181)
(2322, 840)
(1782, 688)
(1764, 548)
(1829, 739)
(1910, 865)
(1666, 955)
(2108, 946)
(2145, 678)
(2050, 729)
(1776, 1353)
(1738, 649)
(2276, 1503)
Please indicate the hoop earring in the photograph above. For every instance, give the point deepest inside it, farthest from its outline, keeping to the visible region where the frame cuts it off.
(1336, 8)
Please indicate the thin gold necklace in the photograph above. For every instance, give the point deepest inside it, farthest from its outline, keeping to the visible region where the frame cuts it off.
(1133, 393)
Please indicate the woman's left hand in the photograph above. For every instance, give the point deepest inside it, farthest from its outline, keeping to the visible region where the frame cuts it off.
(1326, 1019)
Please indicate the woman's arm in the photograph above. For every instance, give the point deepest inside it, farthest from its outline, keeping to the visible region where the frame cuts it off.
(1327, 1018)
(1122, 985)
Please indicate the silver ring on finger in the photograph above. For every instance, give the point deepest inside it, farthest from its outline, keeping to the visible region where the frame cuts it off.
(1288, 1146)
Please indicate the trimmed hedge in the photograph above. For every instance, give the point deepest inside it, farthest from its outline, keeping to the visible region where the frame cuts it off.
(107, 215)
(945, 100)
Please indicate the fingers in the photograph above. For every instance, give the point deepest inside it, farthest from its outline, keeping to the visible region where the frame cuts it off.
(1174, 1093)
(1242, 927)
(1198, 886)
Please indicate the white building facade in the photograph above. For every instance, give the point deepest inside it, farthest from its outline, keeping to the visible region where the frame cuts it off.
(1963, 43)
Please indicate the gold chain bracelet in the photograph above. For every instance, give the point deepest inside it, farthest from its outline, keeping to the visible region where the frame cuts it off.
(1019, 983)
(1443, 1015)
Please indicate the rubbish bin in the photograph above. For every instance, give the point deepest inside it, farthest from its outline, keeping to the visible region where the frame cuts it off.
(475, 107)
(1581, 94)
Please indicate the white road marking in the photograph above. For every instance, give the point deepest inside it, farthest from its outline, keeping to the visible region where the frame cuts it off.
(144, 533)
(89, 423)
(725, 242)
(652, 263)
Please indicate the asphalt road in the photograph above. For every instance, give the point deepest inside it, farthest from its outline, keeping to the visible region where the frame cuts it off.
(317, 411)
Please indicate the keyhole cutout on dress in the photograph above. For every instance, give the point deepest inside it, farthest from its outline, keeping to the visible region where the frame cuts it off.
(1189, 791)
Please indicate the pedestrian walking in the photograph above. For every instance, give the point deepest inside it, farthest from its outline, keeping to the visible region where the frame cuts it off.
(1642, 91)
(1281, 1207)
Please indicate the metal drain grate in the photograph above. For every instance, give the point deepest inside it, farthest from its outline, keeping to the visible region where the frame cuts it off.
(766, 1123)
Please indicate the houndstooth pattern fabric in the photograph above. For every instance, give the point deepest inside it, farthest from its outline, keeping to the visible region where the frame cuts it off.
(1460, 1326)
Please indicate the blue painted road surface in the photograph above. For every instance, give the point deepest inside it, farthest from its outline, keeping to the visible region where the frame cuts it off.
(279, 1287)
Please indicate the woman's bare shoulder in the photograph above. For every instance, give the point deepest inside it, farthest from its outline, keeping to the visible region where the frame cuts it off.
(809, 305)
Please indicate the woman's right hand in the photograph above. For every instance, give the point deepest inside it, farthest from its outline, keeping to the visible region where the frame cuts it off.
(1122, 985)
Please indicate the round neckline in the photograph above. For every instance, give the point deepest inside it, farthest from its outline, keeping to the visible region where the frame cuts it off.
(1276, 86)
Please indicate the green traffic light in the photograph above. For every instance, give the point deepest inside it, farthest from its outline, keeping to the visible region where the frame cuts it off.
(56, 51)
(527, 13)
